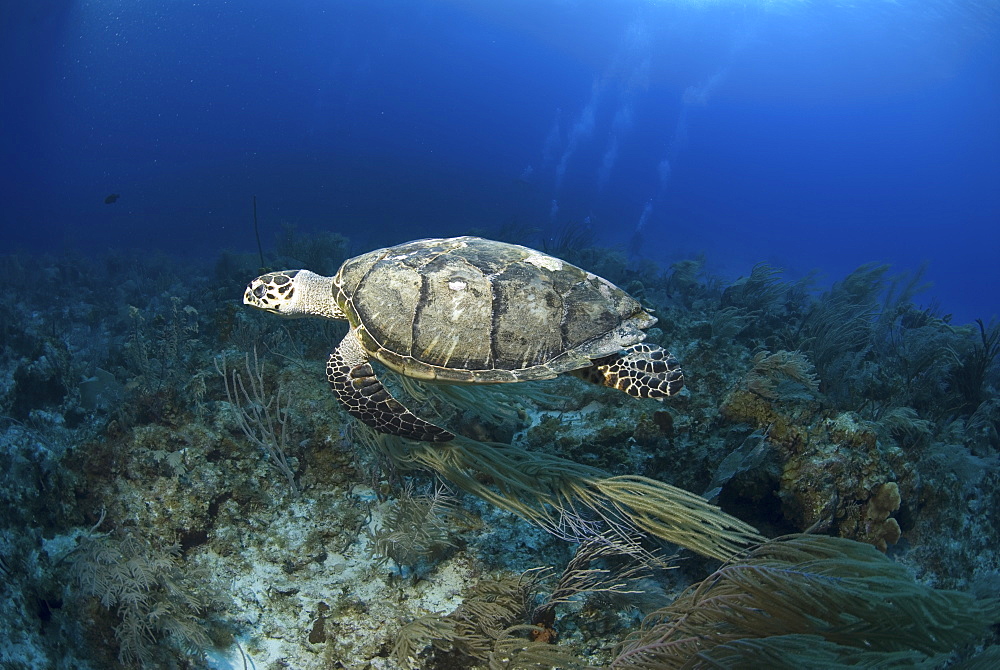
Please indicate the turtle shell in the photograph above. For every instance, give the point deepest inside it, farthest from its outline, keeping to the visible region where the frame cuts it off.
(466, 309)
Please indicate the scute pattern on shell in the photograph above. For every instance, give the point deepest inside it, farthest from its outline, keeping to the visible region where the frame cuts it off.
(475, 310)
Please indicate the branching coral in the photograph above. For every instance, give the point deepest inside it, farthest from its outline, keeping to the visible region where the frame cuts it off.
(262, 417)
(491, 627)
(415, 527)
(838, 330)
(156, 353)
(155, 597)
(968, 377)
(871, 522)
(569, 240)
(484, 629)
(321, 251)
(760, 292)
(770, 371)
(581, 576)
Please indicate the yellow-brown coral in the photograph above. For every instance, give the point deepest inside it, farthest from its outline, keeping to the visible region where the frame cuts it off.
(834, 470)
(871, 522)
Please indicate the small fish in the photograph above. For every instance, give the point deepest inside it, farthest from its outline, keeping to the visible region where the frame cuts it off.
(111, 199)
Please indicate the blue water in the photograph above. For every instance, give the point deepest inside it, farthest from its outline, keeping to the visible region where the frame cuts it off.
(805, 134)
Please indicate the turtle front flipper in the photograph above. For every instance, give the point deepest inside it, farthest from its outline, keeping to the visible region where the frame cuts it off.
(360, 392)
(643, 371)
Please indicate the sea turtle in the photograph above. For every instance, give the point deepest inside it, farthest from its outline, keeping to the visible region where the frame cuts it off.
(469, 310)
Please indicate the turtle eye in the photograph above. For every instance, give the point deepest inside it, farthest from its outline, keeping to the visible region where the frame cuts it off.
(260, 291)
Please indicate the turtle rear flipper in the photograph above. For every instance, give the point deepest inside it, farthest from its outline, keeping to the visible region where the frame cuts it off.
(643, 371)
(362, 394)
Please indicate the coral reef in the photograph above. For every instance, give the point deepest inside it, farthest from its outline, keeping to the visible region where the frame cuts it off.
(158, 513)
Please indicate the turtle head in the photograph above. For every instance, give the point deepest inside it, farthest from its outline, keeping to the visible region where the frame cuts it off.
(292, 293)
(274, 292)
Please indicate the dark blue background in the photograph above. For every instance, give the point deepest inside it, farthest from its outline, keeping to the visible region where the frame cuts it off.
(798, 133)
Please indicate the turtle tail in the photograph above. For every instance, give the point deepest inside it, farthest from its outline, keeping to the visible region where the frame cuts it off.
(641, 370)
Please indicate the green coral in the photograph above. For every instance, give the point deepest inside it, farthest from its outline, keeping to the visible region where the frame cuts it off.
(548, 491)
(808, 601)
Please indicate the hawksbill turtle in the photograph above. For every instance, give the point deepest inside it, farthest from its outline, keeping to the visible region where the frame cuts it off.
(473, 311)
